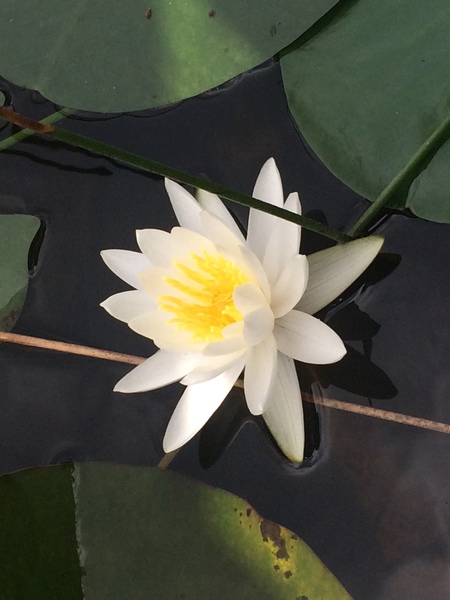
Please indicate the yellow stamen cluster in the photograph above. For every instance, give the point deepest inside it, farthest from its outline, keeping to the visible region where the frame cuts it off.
(205, 305)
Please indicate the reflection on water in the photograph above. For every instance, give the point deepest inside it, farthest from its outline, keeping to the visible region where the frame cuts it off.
(372, 500)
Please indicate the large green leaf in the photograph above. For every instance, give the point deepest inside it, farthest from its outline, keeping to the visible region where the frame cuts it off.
(369, 88)
(117, 55)
(145, 533)
(16, 234)
(429, 195)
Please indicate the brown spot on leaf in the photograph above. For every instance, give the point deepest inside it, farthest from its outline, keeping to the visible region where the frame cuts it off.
(212, 13)
(272, 532)
(248, 512)
(148, 13)
(288, 574)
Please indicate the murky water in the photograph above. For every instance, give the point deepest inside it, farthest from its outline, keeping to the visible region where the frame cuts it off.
(372, 499)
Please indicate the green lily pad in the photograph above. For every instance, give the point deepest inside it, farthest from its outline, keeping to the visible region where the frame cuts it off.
(120, 56)
(16, 235)
(429, 195)
(368, 90)
(118, 532)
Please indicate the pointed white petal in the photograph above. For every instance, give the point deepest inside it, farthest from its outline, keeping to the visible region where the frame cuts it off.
(211, 366)
(215, 229)
(305, 338)
(126, 264)
(157, 371)
(294, 205)
(185, 206)
(214, 204)
(284, 415)
(196, 406)
(268, 188)
(159, 246)
(333, 270)
(260, 375)
(283, 241)
(290, 286)
(128, 305)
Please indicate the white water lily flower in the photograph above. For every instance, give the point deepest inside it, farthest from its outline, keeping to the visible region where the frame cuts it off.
(216, 304)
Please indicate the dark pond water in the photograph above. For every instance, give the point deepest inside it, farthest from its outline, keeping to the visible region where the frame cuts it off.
(373, 499)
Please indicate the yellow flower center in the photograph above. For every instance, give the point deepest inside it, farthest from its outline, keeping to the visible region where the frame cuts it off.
(205, 305)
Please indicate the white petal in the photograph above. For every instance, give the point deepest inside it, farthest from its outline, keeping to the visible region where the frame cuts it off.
(192, 242)
(233, 330)
(305, 338)
(290, 286)
(196, 406)
(248, 297)
(154, 284)
(157, 371)
(294, 205)
(283, 241)
(250, 265)
(284, 415)
(268, 188)
(258, 324)
(331, 271)
(214, 204)
(126, 264)
(257, 315)
(185, 206)
(260, 375)
(128, 305)
(225, 346)
(211, 366)
(215, 229)
(159, 246)
(155, 326)
(151, 323)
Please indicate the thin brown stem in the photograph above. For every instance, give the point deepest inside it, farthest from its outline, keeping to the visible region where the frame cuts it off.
(378, 413)
(27, 340)
(366, 411)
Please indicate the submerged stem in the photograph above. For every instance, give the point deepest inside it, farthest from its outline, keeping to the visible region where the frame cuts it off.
(427, 147)
(156, 168)
(167, 459)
